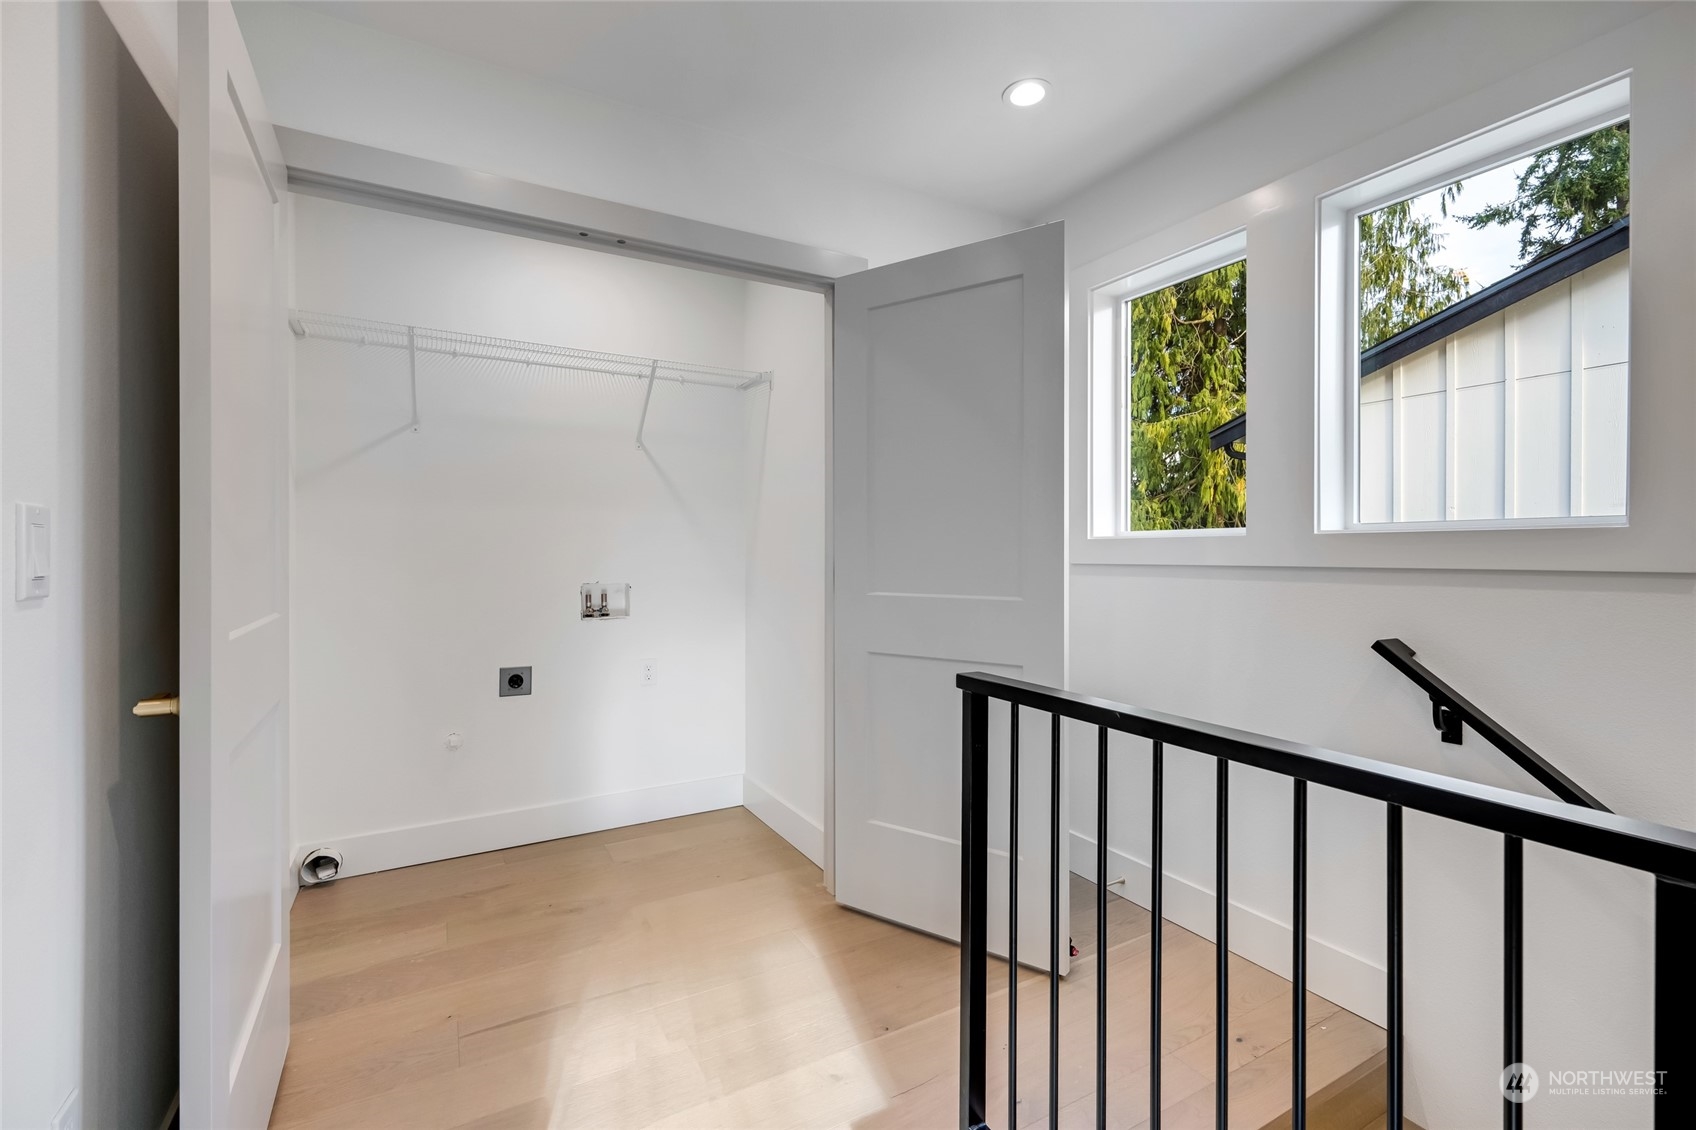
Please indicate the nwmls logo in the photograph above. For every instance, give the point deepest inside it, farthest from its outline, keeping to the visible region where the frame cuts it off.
(1610, 1082)
(1519, 1082)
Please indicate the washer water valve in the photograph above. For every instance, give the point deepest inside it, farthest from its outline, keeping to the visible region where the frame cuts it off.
(604, 600)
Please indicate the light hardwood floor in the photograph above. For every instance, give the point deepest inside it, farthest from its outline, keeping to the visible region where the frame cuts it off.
(693, 973)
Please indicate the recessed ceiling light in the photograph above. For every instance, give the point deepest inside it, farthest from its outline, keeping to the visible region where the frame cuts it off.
(1025, 92)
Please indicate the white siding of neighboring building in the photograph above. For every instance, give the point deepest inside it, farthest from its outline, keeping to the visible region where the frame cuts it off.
(1491, 422)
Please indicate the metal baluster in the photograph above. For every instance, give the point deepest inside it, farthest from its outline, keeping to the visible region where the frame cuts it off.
(1298, 963)
(1393, 942)
(1013, 924)
(1222, 951)
(974, 898)
(1056, 879)
(1101, 931)
(1675, 996)
(1513, 969)
(1156, 901)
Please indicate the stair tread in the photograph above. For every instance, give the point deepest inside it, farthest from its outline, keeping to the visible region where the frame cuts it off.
(1340, 1043)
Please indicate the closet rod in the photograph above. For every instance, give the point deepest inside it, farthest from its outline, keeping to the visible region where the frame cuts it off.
(417, 339)
(569, 367)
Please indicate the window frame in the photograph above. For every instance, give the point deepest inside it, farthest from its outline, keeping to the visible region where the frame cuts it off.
(1147, 217)
(1338, 404)
(1108, 507)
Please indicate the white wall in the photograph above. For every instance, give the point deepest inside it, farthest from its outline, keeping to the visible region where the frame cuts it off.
(1595, 671)
(788, 331)
(42, 459)
(87, 380)
(332, 77)
(426, 561)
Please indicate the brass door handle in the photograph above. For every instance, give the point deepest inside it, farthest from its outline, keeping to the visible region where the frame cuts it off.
(159, 704)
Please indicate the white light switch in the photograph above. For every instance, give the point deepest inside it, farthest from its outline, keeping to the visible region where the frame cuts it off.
(34, 545)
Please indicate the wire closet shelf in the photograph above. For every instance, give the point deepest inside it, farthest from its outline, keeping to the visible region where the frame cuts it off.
(456, 344)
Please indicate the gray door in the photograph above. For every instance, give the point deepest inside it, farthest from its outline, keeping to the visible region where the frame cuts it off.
(949, 556)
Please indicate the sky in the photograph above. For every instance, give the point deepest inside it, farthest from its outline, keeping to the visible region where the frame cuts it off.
(1485, 256)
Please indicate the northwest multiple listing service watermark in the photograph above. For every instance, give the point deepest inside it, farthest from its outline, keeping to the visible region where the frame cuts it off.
(1520, 1082)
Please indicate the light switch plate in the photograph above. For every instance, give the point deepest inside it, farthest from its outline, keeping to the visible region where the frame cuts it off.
(33, 541)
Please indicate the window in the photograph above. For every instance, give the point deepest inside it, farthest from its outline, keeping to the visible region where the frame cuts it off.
(1185, 377)
(1479, 364)
(1173, 341)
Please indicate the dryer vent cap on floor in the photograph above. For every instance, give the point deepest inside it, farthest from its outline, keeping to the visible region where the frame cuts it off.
(320, 865)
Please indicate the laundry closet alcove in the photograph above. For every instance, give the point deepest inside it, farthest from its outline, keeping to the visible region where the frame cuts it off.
(455, 488)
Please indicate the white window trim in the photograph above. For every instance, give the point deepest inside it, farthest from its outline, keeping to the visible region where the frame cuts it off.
(1109, 437)
(1337, 444)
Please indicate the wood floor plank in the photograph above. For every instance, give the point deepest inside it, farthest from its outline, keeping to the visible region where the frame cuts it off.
(363, 951)
(694, 974)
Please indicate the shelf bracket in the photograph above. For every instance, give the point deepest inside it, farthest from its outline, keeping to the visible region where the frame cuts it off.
(412, 369)
(653, 371)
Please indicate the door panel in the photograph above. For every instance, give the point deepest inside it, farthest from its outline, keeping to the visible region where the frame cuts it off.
(949, 556)
(235, 865)
(945, 375)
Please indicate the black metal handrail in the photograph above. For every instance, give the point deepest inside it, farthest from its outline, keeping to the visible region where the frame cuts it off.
(1667, 853)
(1450, 709)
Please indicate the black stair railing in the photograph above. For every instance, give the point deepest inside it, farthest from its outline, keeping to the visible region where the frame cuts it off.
(1669, 854)
(1450, 711)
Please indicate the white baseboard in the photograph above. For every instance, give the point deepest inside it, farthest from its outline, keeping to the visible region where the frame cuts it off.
(1335, 974)
(784, 819)
(491, 831)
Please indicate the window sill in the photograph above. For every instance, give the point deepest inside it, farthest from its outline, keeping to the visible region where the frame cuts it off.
(1581, 522)
(1564, 548)
(1140, 535)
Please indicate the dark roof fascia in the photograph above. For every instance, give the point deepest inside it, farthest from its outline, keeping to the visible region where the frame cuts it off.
(1228, 433)
(1493, 299)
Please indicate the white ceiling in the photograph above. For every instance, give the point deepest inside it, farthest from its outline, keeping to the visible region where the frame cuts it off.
(908, 93)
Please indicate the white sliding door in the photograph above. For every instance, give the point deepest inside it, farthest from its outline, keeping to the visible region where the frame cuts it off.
(948, 544)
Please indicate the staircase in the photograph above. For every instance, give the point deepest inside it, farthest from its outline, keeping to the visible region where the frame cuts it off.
(1352, 1101)
(1345, 1053)
(1166, 1014)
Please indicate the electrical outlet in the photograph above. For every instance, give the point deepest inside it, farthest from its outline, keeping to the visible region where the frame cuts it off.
(514, 681)
(650, 672)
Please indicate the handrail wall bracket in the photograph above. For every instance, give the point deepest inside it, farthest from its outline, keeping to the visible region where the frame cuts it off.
(1447, 719)
(1452, 711)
